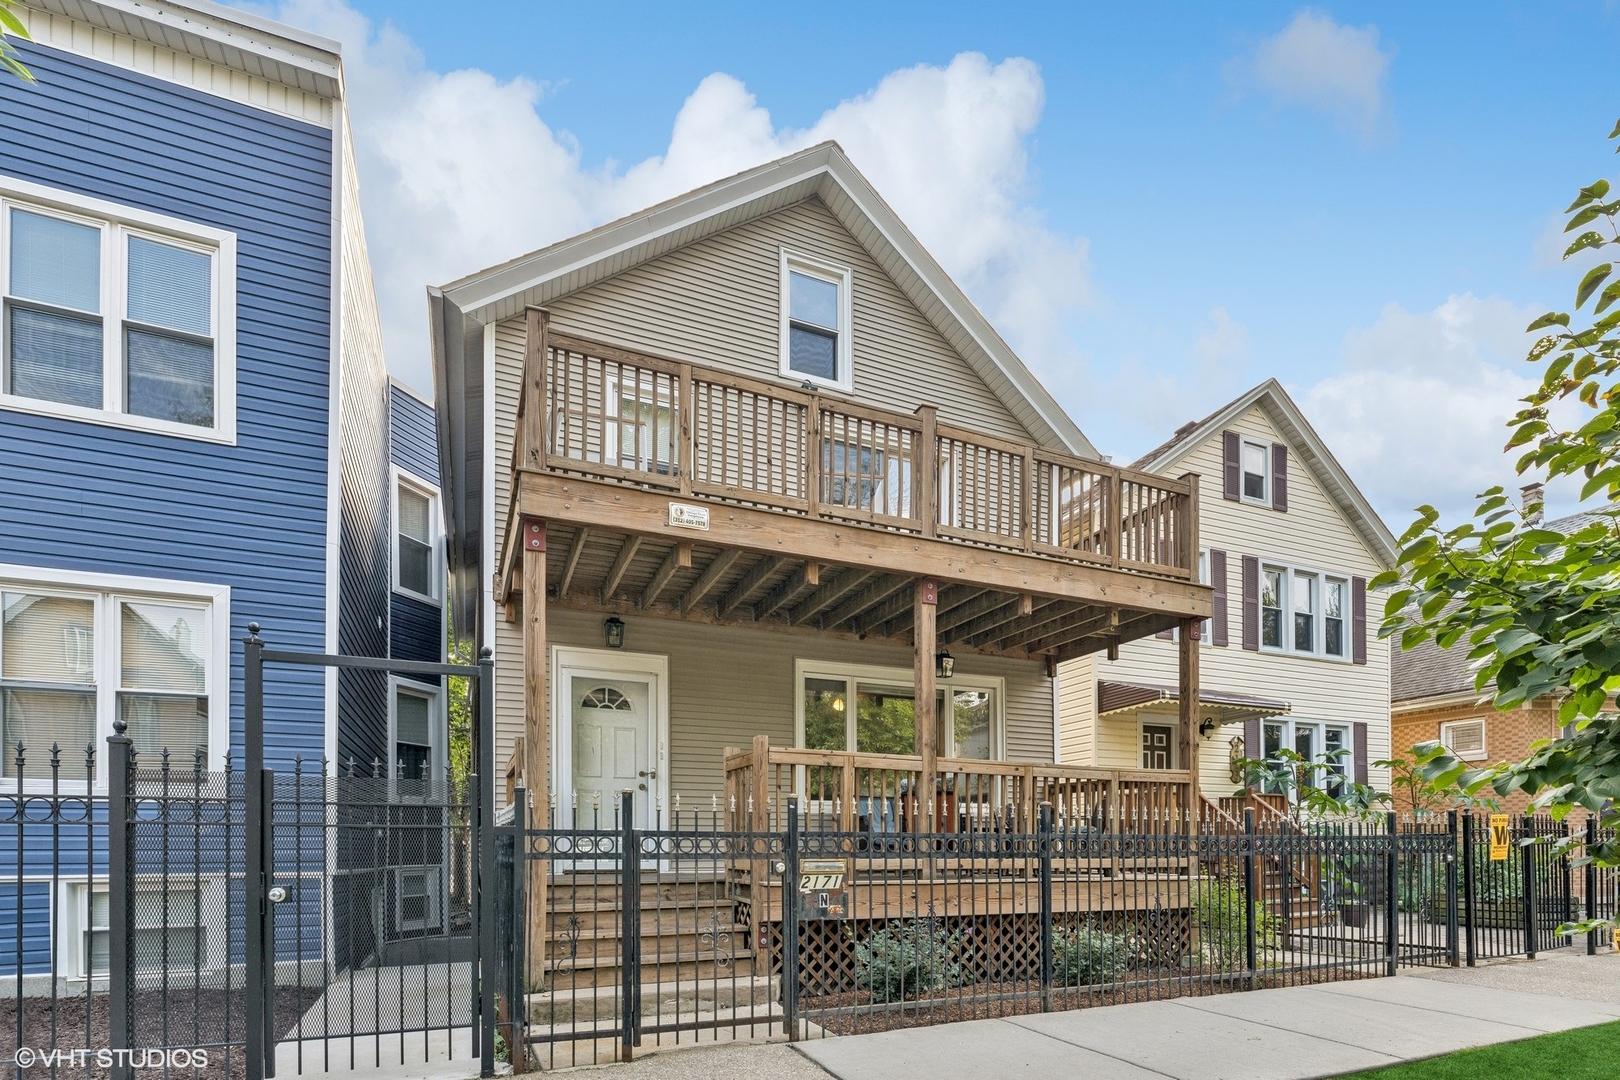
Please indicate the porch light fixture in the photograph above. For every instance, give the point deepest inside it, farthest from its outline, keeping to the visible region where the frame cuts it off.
(944, 665)
(1207, 728)
(613, 632)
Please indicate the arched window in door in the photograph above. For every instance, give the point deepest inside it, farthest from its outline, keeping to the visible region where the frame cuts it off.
(605, 697)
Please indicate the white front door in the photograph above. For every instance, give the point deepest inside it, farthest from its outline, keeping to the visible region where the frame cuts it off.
(614, 751)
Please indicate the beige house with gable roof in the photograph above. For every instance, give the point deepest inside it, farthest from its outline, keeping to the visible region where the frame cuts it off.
(1290, 658)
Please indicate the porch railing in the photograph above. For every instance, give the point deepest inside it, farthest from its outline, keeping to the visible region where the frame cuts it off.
(853, 792)
(702, 433)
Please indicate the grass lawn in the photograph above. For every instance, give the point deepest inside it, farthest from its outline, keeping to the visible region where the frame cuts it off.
(1591, 1053)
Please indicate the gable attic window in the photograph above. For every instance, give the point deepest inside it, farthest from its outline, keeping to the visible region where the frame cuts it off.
(1256, 467)
(116, 316)
(815, 322)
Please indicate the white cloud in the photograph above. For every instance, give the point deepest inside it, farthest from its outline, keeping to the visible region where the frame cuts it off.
(459, 171)
(1150, 392)
(1418, 413)
(1324, 65)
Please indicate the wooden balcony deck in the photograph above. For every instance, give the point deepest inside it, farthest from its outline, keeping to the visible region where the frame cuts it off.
(712, 439)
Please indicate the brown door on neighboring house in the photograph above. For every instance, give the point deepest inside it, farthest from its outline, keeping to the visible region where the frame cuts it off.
(1158, 746)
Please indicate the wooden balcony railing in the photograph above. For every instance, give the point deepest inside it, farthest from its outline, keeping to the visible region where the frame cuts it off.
(702, 433)
(853, 792)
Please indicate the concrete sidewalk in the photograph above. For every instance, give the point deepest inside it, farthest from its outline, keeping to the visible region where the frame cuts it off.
(1288, 1034)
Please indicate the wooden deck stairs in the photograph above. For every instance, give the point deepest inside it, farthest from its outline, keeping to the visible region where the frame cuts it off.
(1290, 888)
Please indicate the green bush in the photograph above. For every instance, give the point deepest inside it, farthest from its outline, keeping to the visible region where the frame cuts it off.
(1219, 912)
(1087, 955)
(911, 958)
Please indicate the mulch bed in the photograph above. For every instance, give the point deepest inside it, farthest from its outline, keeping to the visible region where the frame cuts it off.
(196, 1019)
(857, 1014)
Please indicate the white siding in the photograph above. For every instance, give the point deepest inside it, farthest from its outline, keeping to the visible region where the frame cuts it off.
(1311, 535)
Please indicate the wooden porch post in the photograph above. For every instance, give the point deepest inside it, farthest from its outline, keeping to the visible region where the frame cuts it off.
(1187, 694)
(536, 731)
(925, 601)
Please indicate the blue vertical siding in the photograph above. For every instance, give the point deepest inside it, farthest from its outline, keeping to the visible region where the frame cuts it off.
(252, 516)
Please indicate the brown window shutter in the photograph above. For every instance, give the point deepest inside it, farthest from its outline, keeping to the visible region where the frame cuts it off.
(1253, 748)
(1251, 602)
(1358, 619)
(1279, 477)
(1358, 742)
(1217, 614)
(1231, 476)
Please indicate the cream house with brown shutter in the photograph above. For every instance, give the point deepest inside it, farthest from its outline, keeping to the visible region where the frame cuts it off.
(1289, 658)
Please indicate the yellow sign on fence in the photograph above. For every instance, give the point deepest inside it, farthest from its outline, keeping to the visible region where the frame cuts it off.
(1501, 838)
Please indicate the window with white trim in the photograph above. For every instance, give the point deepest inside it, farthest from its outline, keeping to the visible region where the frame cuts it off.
(1464, 738)
(815, 321)
(73, 660)
(417, 539)
(1325, 746)
(418, 738)
(169, 929)
(873, 711)
(1304, 612)
(115, 316)
(1256, 465)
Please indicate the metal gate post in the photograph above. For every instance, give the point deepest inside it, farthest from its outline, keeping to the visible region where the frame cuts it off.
(255, 889)
(1527, 853)
(120, 879)
(790, 922)
(1249, 958)
(630, 938)
(1044, 843)
(517, 997)
(1452, 952)
(484, 845)
(1392, 904)
(267, 825)
(1589, 909)
(1468, 885)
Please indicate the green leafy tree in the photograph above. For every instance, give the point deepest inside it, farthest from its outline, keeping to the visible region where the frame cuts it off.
(1538, 611)
(10, 27)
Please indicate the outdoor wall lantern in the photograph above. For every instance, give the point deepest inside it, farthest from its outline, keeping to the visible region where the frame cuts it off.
(944, 665)
(1207, 728)
(613, 631)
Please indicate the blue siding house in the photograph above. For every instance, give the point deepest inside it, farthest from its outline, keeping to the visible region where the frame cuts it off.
(195, 418)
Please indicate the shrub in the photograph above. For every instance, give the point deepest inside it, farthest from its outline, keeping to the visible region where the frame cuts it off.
(911, 958)
(1219, 911)
(1088, 954)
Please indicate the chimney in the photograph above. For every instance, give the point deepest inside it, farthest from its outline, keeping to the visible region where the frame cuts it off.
(1532, 498)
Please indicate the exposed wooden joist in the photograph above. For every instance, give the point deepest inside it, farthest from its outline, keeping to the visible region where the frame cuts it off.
(901, 621)
(828, 595)
(984, 624)
(757, 575)
(679, 558)
(615, 574)
(610, 506)
(1140, 627)
(865, 600)
(582, 536)
(895, 608)
(806, 576)
(1062, 633)
(1043, 617)
(980, 605)
(709, 578)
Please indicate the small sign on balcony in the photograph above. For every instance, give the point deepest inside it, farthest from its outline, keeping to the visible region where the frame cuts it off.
(687, 516)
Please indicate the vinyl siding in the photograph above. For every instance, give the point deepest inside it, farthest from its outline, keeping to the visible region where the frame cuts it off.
(712, 706)
(716, 302)
(413, 444)
(251, 516)
(1311, 535)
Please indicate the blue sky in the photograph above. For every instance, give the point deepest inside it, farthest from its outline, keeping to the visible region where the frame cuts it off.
(1362, 200)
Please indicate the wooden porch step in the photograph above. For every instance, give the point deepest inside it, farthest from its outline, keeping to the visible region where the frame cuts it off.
(606, 971)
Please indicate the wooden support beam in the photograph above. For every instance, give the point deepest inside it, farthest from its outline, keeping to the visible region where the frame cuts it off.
(987, 624)
(1043, 616)
(1026, 604)
(756, 576)
(897, 606)
(1063, 633)
(981, 605)
(841, 586)
(615, 574)
(865, 600)
(709, 578)
(679, 558)
(807, 576)
(582, 536)
(924, 644)
(1187, 690)
(536, 721)
(1139, 627)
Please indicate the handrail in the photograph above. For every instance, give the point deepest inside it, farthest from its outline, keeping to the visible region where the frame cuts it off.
(634, 417)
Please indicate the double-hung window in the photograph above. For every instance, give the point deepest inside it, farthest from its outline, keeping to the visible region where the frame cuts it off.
(116, 316)
(1256, 471)
(815, 322)
(1305, 612)
(78, 652)
(416, 539)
